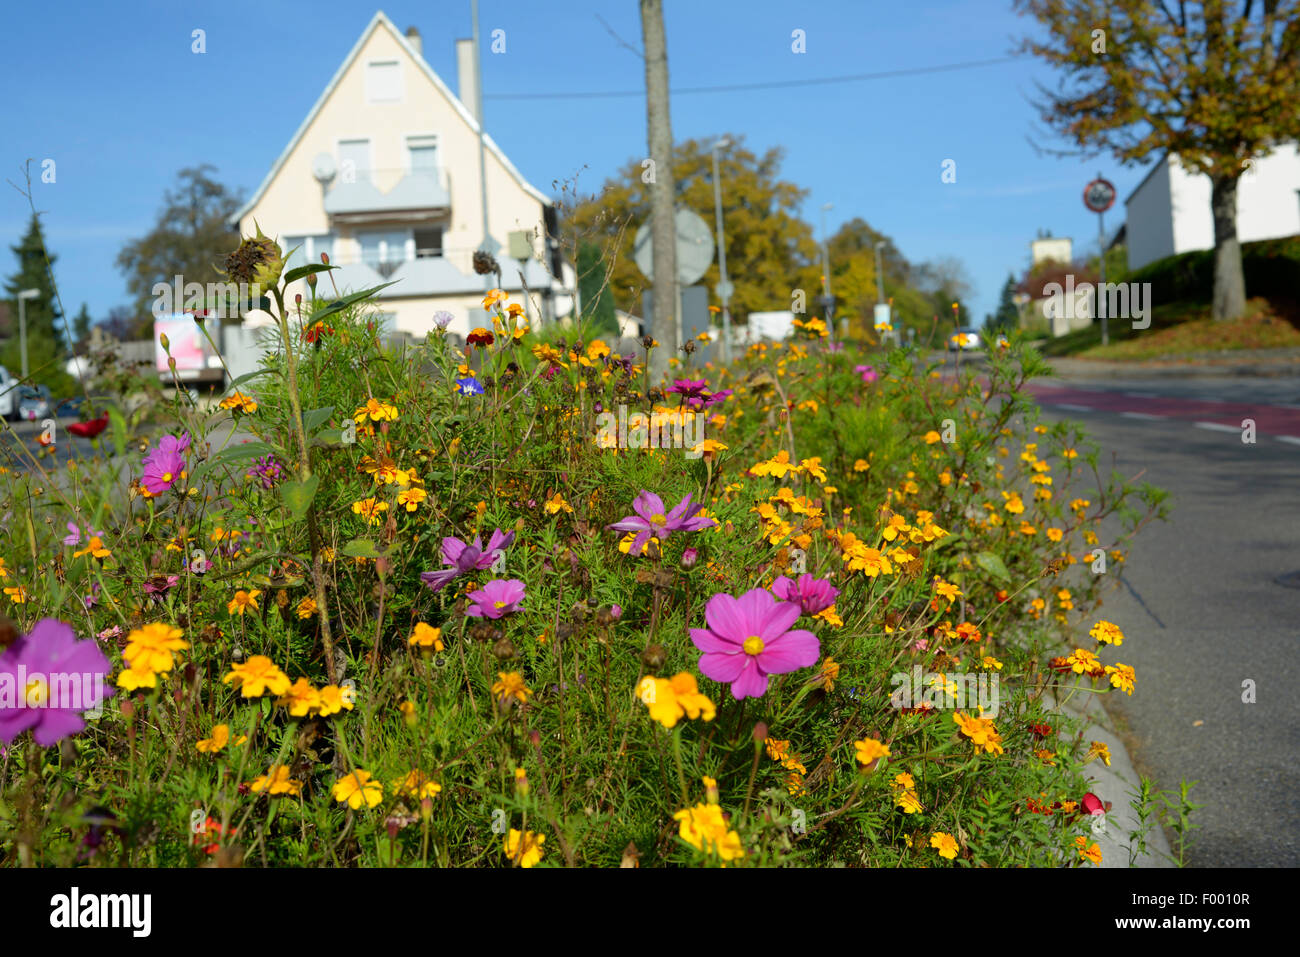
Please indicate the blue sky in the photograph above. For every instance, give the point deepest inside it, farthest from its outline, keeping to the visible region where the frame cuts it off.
(113, 93)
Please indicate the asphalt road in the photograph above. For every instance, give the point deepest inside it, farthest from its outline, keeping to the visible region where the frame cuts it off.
(1200, 603)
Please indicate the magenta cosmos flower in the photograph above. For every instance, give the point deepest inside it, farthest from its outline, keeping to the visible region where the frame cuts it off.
(652, 519)
(868, 374)
(164, 465)
(464, 559)
(498, 597)
(813, 595)
(47, 679)
(749, 638)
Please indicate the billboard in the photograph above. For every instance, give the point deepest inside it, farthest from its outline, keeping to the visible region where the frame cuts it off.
(194, 355)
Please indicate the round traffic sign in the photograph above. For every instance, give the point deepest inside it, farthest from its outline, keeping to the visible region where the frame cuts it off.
(694, 248)
(1099, 195)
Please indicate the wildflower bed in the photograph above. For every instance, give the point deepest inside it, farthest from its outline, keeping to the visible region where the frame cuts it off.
(450, 609)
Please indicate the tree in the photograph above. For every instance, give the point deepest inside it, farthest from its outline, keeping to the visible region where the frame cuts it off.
(771, 253)
(191, 238)
(1008, 315)
(662, 188)
(81, 324)
(1213, 83)
(34, 272)
(596, 296)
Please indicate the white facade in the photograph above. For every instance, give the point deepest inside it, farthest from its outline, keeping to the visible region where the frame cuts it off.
(1169, 212)
(1053, 249)
(383, 175)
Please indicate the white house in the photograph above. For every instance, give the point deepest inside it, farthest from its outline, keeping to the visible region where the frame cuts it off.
(1169, 212)
(383, 175)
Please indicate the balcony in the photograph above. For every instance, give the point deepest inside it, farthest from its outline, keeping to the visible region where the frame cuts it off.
(388, 195)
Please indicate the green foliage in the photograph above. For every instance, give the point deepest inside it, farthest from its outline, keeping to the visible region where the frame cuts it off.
(42, 313)
(594, 292)
(1271, 267)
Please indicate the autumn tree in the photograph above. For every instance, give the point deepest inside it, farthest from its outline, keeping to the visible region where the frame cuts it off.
(191, 238)
(1214, 83)
(770, 250)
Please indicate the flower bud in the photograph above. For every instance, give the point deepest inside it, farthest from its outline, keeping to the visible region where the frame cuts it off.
(689, 557)
(653, 658)
(504, 649)
(760, 731)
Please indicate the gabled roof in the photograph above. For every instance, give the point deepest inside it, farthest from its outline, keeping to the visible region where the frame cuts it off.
(381, 19)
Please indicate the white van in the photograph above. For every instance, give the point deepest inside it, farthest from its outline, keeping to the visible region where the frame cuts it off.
(8, 394)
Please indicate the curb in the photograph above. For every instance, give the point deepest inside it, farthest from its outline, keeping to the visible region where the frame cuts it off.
(1116, 784)
(1082, 368)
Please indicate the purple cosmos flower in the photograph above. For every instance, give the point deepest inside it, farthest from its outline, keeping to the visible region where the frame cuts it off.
(717, 397)
(689, 388)
(498, 597)
(91, 600)
(749, 638)
(464, 559)
(158, 586)
(868, 374)
(813, 595)
(164, 465)
(650, 520)
(51, 679)
(266, 471)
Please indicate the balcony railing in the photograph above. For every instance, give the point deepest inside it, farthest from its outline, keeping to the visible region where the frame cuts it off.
(376, 193)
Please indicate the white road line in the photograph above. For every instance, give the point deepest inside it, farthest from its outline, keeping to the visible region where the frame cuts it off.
(1073, 408)
(1294, 440)
(1214, 426)
(1140, 415)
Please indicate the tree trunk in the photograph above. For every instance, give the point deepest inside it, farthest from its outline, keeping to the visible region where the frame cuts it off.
(664, 229)
(1229, 280)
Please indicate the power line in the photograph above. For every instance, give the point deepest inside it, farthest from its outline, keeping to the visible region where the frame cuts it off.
(739, 87)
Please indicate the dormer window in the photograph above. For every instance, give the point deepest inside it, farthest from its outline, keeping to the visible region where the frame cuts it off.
(384, 81)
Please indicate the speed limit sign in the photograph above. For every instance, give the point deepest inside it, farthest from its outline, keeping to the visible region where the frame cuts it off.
(1099, 195)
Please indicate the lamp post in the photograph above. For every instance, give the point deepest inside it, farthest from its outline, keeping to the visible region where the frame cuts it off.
(828, 301)
(724, 287)
(23, 296)
(880, 276)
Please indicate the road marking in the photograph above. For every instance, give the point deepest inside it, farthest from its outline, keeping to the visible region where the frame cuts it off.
(1075, 408)
(1140, 415)
(1294, 440)
(1214, 426)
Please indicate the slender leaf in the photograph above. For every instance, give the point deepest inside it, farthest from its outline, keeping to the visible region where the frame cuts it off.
(316, 417)
(340, 304)
(992, 564)
(298, 495)
(297, 272)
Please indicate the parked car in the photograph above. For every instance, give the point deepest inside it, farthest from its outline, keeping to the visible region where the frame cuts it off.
(33, 402)
(8, 394)
(965, 339)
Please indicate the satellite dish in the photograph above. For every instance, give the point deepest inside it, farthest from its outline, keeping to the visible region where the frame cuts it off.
(694, 248)
(323, 168)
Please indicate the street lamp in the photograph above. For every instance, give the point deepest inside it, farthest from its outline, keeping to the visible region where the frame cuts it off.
(827, 300)
(724, 287)
(880, 275)
(23, 296)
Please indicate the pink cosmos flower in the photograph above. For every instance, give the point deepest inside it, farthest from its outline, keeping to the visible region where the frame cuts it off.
(749, 638)
(813, 595)
(650, 520)
(464, 559)
(498, 597)
(55, 678)
(868, 374)
(164, 465)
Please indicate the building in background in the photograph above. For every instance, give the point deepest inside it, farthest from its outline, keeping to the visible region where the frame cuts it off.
(1169, 212)
(383, 175)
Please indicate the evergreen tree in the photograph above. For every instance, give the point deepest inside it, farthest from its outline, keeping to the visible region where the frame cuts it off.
(81, 324)
(43, 316)
(1008, 315)
(597, 297)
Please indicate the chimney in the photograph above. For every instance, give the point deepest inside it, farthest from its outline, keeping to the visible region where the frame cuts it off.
(467, 81)
(413, 38)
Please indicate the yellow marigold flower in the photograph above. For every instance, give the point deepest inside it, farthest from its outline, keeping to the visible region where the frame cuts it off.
(356, 789)
(981, 732)
(832, 618)
(1107, 633)
(426, 636)
(524, 848)
(511, 685)
(777, 749)
(411, 498)
(991, 662)
(945, 844)
(1013, 503)
(705, 828)
(276, 781)
(258, 676)
(150, 648)
(1082, 661)
(243, 601)
(1055, 534)
(93, 547)
(1079, 504)
(334, 699)
(370, 509)
(417, 785)
(408, 712)
(1098, 749)
(556, 503)
(814, 468)
(932, 437)
(909, 802)
(493, 297)
(709, 447)
(4, 569)
(868, 561)
(670, 700)
(239, 401)
(137, 676)
(861, 465)
(1122, 677)
(947, 589)
(779, 465)
(301, 699)
(830, 672)
(1027, 529)
(220, 738)
(1088, 853)
(904, 780)
(869, 750)
(1069, 453)
(1065, 599)
(307, 607)
(375, 411)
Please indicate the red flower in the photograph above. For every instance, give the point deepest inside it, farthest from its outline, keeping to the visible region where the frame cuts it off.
(1040, 730)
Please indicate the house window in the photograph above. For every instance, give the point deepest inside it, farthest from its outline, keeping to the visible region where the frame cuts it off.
(384, 81)
(354, 161)
(423, 154)
(428, 242)
(382, 250)
(308, 249)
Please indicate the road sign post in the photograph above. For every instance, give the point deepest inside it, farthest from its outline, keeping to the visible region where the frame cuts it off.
(1099, 196)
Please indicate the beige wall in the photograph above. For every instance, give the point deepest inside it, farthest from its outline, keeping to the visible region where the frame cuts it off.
(293, 201)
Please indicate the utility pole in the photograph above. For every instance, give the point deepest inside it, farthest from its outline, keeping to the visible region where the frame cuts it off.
(664, 215)
(724, 287)
(828, 301)
(23, 296)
